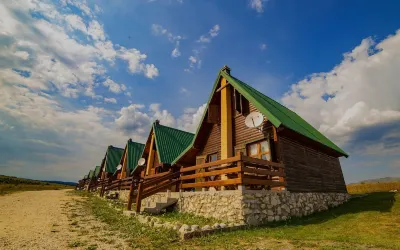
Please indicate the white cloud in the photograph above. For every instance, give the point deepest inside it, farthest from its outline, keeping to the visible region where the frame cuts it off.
(176, 53)
(135, 62)
(96, 31)
(192, 59)
(361, 92)
(75, 22)
(47, 56)
(22, 54)
(258, 5)
(113, 86)
(195, 59)
(184, 91)
(110, 100)
(263, 46)
(158, 30)
(213, 32)
(191, 118)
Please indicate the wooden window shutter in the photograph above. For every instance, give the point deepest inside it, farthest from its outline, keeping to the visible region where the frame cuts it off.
(213, 113)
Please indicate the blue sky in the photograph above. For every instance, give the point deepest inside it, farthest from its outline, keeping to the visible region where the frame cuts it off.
(77, 76)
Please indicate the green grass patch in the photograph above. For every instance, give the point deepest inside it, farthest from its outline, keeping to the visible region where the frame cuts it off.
(139, 235)
(185, 218)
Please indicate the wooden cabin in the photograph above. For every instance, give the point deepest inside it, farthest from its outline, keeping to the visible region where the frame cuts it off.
(111, 161)
(162, 147)
(129, 160)
(283, 153)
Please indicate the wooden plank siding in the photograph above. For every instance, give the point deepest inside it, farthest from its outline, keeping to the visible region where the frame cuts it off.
(213, 142)
(309, 170)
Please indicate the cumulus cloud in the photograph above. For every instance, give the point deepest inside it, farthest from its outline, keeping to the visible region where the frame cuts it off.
(138, 118)
(42, 57)
(359, 94)
(113, 86)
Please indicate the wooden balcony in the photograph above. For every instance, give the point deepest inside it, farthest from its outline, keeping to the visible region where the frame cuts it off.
(238, 171)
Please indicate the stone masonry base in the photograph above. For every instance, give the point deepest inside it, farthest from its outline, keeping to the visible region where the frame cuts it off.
(253, 207)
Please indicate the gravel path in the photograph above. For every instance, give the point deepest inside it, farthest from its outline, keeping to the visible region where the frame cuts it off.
(51, 219)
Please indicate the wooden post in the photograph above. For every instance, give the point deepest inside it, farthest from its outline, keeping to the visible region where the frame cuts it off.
(226, 123)
(241, 187)
(139, 196)
(131, 192)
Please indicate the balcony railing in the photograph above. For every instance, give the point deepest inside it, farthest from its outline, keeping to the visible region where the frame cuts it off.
(240, 170)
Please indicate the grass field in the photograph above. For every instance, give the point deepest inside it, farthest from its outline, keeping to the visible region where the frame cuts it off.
(362, 188)
(10, 184)
(372, 221)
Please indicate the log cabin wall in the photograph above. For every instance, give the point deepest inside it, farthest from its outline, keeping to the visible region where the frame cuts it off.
(213, 142)
(243, 135)
(310, 170)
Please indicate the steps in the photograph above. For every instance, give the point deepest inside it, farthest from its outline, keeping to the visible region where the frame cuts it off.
(158, 207)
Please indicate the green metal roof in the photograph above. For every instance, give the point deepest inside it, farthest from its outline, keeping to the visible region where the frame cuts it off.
(97, 171)
(113, 156)
(170, 142)
(91, 173)
(135, 151)
(275, 112)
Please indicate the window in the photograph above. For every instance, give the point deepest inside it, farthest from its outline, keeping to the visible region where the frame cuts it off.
(260, 150)
(241, 103)
(212, 157)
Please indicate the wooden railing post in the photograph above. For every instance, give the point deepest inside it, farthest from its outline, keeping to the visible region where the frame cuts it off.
(139, 196)
(239, 164)
(131, 191)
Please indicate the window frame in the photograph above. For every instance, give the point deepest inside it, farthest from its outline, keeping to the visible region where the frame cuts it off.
(210, 155)
(259, 153)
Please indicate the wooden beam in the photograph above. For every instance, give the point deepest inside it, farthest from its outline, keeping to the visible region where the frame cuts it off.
(212, 173)
(262, 162)
(211, 164)
(250, 181)
(213, 183)
(150, 159)
(222, 87)
(226, 121)
(262, 172)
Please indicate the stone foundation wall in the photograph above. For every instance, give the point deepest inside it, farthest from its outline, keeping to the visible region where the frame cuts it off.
(260, 207)
(223, 205)
(252, 207)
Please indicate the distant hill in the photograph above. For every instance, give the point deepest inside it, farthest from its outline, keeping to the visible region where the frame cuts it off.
(4, 179)
(11, 184)
(382, 180)
(68, 183)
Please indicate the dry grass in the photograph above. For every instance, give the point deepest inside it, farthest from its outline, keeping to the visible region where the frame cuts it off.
(373, 187)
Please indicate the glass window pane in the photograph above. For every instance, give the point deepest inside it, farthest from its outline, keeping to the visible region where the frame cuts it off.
(212, 157)
(266, 157)
(265, 146)
(253, 149)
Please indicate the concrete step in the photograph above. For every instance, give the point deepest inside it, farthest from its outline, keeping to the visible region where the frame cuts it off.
(160, 206)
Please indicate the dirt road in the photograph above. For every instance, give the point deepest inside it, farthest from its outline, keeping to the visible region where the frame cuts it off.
(50, 219)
